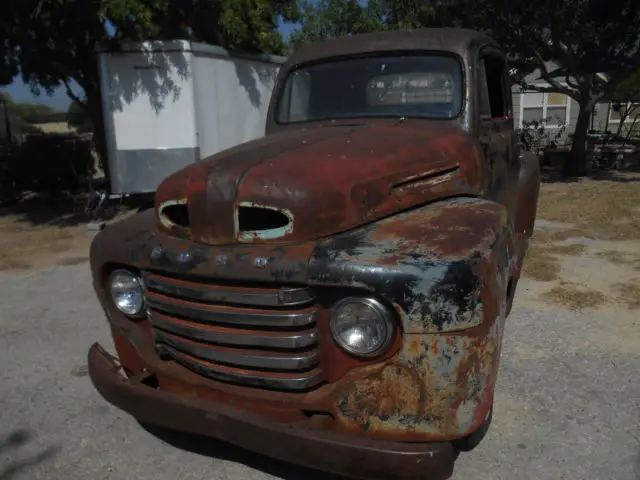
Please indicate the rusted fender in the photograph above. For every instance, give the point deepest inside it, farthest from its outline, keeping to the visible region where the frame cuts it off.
(439, 387)
(442, 266)
(528, 193)
(445, 269)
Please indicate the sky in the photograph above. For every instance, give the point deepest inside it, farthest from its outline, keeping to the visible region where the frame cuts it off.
(20, 92)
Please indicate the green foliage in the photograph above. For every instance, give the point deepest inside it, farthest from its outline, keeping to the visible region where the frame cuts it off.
(326, 19)
(584, 37)
(78, 117)
(629, 89)
(53, 42)
(51, 163)
(26, 111)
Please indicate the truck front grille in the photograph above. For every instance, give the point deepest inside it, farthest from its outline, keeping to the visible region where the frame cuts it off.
(258, 337)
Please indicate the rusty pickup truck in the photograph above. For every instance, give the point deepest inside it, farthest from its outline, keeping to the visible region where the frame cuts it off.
(333, 294)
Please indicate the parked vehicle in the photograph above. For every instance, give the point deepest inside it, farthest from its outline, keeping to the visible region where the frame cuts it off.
(335, 293)
(168, 104)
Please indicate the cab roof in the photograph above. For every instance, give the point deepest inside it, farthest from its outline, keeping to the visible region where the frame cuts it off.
(453, 40)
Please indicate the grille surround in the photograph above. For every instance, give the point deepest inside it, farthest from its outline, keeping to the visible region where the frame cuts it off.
(256, 337)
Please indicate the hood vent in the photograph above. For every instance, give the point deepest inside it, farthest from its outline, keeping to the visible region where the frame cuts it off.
(174, 214)
(427, 179)
(261, 222)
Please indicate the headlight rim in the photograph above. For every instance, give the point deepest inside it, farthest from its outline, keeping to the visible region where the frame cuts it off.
(385, 313)
(136, 276)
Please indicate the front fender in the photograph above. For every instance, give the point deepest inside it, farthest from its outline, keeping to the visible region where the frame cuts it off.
(444, 268)
(528, 192)
(441, 266)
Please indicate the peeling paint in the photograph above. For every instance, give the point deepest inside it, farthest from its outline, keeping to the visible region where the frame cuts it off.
(247, 236)
(164, 220)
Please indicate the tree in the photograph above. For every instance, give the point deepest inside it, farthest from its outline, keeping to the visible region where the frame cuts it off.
(324, 19)
(27, 112)
(626, 99)
(595, 42)
(78, 118)
(53, 42)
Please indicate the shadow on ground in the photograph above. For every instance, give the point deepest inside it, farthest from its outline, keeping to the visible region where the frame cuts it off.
(15, 466)
(213, 448)
(42, 210)
(554, 175)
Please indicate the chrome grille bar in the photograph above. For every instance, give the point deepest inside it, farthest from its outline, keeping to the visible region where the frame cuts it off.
(290, 340)
(253, 336)
(217, 314)
(218, 294)
(300, 361)
(300, 382)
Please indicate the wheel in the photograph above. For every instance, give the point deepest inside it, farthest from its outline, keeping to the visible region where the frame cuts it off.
(471, 441)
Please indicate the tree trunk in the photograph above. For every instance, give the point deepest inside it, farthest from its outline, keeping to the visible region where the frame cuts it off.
(94, 102)
(575, 166)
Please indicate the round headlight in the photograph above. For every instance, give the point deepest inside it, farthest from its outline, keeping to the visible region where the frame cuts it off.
(126, 292)
(362, 326)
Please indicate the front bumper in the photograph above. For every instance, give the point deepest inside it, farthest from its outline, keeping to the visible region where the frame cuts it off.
(336, 453)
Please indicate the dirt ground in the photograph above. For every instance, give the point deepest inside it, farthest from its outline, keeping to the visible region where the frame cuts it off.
(585, 252)
(41, 233)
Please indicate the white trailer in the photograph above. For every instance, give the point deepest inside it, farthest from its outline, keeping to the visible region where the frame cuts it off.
(169, 104)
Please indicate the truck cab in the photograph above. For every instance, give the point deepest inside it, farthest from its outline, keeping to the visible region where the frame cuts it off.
(333, 294)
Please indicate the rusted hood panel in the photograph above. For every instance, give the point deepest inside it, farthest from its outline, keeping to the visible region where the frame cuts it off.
(326, 179)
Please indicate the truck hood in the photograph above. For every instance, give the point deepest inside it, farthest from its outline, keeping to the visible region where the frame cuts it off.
(311, 183)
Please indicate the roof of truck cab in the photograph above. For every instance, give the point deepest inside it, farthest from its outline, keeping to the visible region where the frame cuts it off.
(453, 40)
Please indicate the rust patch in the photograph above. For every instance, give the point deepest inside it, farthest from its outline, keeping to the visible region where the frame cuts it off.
(438, 387)
(270, 229)
(162, 214)
(432, 264)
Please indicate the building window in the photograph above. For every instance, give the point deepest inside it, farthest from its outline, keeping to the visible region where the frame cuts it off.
(549, 108)
(632, 108)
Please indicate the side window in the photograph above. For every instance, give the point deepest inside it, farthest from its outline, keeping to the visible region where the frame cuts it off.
(483, 91)
(493, 70)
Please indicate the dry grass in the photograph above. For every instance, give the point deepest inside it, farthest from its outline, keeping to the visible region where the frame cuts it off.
(574, 298)
(619, 257)
(40, 234)
(541, 262)
(23, 246)
(74, 260)
(541, 266)
(542, 237)
(569, 249)
(628, 293)
(606, 208)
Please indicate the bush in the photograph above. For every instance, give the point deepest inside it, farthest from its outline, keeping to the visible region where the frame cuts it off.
(51, 163)
(537, 135)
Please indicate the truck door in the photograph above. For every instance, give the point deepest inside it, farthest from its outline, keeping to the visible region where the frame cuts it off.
(496, 133)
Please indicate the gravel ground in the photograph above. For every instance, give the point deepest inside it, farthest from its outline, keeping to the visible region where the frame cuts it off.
(567, 403)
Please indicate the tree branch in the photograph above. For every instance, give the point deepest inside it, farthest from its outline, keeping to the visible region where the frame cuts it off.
(571, 83)
(72, 95)
(537, 88)
(546, 76)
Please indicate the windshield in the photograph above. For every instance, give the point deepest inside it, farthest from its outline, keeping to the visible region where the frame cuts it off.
(425, 85)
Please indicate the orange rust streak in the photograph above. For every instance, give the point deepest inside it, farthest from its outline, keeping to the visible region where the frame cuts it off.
(230, 330)
(324, 189)
(223, 308)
